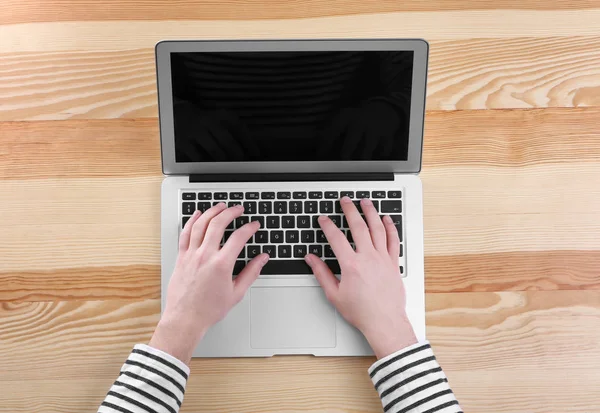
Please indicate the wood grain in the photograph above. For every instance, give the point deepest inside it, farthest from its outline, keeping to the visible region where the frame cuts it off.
(465, 74)
(30, 11)
(131, 147)
(474, 334)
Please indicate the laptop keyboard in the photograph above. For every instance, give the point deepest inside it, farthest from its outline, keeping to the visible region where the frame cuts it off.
(289, 227)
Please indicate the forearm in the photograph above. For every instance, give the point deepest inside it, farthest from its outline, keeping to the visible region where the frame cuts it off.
(150, 380)
(412, 381)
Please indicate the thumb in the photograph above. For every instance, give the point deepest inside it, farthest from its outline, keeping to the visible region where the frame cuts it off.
(324, 275)
(249, 274)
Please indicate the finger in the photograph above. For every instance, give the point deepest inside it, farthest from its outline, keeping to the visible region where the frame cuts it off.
(239, 238)
(201, 224)
(376, 228)
(325, 277)
(336, 238)
(216, 227)
(248, 275)
(358, 226)
(184, 237)
(393, 241)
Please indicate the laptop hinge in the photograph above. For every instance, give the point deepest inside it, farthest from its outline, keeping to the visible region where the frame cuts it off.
(294, 177)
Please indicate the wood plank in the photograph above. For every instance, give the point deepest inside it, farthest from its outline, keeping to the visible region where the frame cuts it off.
(432, 25)
(507, 271)
(115, 222)
(486, 342)
(463, 74)
(129, 148)
(30, 11)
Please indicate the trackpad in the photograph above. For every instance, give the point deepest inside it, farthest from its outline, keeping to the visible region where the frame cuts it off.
(291, 317)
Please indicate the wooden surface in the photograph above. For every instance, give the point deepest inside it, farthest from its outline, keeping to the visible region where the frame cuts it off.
(512, 200)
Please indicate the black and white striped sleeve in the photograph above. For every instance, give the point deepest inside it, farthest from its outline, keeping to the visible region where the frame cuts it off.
(150, 381)
(412, 381)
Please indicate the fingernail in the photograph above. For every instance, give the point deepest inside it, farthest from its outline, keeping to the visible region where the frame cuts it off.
(387, 219)
(239, 206)
(345, 200)
(221, 204)
(308, 259)
(322, 218)
(366, 201)
(264, 259)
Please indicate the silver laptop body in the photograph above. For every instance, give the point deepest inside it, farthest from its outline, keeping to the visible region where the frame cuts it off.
(251, 122)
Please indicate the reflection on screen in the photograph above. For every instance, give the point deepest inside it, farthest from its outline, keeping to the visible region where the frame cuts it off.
(291, 106)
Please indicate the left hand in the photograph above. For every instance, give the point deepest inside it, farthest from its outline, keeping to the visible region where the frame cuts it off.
(201, 291)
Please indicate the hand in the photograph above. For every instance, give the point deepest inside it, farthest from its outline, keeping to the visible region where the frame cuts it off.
(371, 294)
(201, 291)
(361, 133)
(211, 135)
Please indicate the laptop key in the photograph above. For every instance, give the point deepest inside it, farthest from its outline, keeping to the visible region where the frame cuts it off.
(277, 237)
(227, 235)
(391, 206)
(394, 194)
(338, 207)
(295, 207)
(267, 195)
(315, 222)
(292, 237)
(326, 207)
(307, 237)
(252, 195)
(286, 267)
(280, 207)
(265, 207)
(310, 207)
(321, 237)
(261, 237)
(316, 250)
(204, 196)
(397, 219)
(287, 221)
(349, 194)
(261, 220)
(299, 195)
(272, 221)
(363, 194)
(188, 208)
(401, 251)
(284, 195)
(299, 251)
(236, 195)
(269, 249)
(184, 221)
(337, 220)
(376, 205)
(334, 266)
(241, 221)
(378, 194)
(331, 195)
(238, 267)
(220, 195)
(357, 205)
(188, 196)
(249, 207)
(284, 251)
(303, 221)
(204, 206)
(242, 253)
(315, 195)
(253, 251)
(328, 252)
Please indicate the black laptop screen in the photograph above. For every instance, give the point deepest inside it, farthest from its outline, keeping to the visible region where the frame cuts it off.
(291, 106)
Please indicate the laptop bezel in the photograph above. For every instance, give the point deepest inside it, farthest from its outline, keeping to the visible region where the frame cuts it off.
(164, 49)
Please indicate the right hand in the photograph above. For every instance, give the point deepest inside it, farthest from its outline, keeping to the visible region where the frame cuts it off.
(371, 293)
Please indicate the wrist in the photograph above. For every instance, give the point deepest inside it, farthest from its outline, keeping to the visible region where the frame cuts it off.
(388, 339)
(176, 339)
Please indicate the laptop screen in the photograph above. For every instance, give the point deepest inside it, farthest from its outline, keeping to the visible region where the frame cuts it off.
(291, 106)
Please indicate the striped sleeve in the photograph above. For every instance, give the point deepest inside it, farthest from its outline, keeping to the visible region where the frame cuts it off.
(150, 381)
(412, 381)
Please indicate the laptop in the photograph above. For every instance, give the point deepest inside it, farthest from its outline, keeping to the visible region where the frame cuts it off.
(287, 128)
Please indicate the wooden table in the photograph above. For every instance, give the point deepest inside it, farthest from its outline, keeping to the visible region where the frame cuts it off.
(512, 200)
